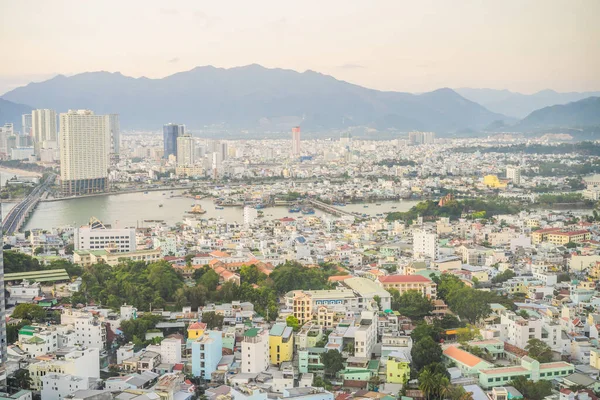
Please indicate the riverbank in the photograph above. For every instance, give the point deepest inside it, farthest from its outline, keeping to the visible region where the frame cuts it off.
(19, 172)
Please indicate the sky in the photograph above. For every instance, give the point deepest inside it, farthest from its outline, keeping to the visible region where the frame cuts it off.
(411, 46)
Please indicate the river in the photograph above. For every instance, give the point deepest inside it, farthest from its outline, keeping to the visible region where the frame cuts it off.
(132, 209)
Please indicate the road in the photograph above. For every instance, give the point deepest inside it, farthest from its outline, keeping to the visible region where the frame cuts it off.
(14, 219)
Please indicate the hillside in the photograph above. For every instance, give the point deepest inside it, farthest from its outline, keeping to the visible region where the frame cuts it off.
(11, 113)
(517, 104)
(582, 113)
(253, 97)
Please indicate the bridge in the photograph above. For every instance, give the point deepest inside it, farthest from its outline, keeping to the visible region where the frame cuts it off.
(328, 208)
(16, 217)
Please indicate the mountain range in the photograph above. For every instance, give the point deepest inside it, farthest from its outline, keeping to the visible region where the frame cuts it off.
(253, 97)
(262, 99)
(520, 105)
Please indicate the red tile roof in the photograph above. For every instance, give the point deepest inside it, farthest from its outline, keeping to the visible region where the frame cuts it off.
(463, 357)
(404, 279)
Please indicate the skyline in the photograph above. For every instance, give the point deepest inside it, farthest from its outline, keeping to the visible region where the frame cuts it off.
(506, 45)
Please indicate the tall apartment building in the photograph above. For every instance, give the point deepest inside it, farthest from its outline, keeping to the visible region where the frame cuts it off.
(425, 244)
(3, 338)
(43, 129)
(250, 215)
(26, 124)
(170, 134)
(115, 134)
(84, 139)
(89, 330)
(296, 141)
(255, 351)
(186, 151)
(96, 236)
(170, 351)
(514, 174)
(415, 138)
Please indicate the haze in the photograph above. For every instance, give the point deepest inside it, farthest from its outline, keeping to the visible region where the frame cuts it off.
(413, 46)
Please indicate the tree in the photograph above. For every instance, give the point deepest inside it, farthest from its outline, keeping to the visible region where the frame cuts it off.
(69, 249)
(38, 250)
(457, 392)
(503, 276)
(532, 390)
(134, 330)
(318, 381)
(251, 274)
(293, 323)
(332, 362)
(425, 352)
(467, 333)
(539, 350)
(31, 312)
(424, 329)
(414, 305)
(450, 321)
(20, 379)
(469, 303)
(212, 320)
(210, 280)
(374, 383)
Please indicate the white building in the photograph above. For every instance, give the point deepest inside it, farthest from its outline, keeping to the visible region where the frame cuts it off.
(80, 362)
(22, 153)
(425, 244)
(115, 133)
(43, 128)
(255, 351)
(250, 215)
(514, 174)
(365, 337)
(59, 386)
(170, 351)
(84, 152)
(517, 330)
(186, 152)
(96, 236)
(89, 331)
(26, 122)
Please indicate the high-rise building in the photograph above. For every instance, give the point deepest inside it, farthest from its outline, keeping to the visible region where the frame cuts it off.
(250, 215)
(255, 351)
(186, 151)
(26, 122)
(514, 174)
(3, 338)
(223, 148)
(115, 133)
(415, 138)
(425, 244)
(296, 141)
(84, 139)
(43, 129)
(170, 134)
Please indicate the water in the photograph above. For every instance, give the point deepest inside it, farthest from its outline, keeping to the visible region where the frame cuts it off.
(133, 208)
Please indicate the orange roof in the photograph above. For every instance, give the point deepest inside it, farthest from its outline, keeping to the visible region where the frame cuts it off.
(404, 279)
(338, 278)
(218, 253)
(197, 325)
(462, 356)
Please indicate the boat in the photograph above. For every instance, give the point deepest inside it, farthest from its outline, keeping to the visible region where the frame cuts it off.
(339, 204)
(160, 205)
(260, 214)
(219, 208)
(259, 206)
(394, 207)
(146, 192)
(294, 209)
(365, 206)
(197, 209)
(378, 204)
(164, 194)
(308, 210)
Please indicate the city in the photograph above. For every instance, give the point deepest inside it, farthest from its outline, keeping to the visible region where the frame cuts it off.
(254, 233)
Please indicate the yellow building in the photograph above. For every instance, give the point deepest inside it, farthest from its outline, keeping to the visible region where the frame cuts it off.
(561, 238)
(595, 358)
(196, 330)
(281, 343)
(397, 369)
(302, 307)
(493, 182)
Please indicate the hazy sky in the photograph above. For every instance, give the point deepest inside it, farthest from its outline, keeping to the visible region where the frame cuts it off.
(417, 45)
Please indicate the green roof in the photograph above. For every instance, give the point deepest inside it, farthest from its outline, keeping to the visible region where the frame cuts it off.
(251, 332)
(39, 276)
(277, 329)
(373, 364)
(27, 330)
(36, 339)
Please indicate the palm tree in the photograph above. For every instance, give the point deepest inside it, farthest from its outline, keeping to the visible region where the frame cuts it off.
(443, 384)
(427, 383)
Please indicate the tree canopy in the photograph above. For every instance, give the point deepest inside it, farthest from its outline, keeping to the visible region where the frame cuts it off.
(414, 305)
(333, 362)
(426, 351)
(539, 350)
(28, 311)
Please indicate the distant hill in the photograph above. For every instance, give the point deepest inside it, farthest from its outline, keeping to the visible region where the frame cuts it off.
(11, 113)
(582, 113)
(254, 97)
(517, 104)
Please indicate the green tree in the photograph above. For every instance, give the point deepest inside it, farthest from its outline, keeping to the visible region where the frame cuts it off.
(424, 352)
(210, 280)
(31, 312)
(293, 323)
(213, 320)
(469, 303)
(69, 249)
(332, 362)
(539, 350)
(532, 390)
(251, 274)
(467, 333)
(38, 250)
(424, 329)
(414, 305)
(134, 330)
